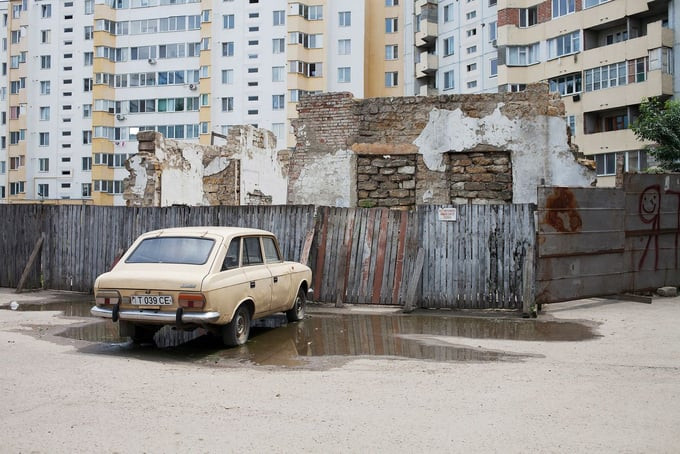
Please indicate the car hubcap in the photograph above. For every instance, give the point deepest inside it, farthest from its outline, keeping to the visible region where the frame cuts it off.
(240, 326)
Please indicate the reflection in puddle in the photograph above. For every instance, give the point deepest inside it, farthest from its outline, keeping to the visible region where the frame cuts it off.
(322, 339)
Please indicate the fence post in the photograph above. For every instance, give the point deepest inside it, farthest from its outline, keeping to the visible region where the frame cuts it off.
(528, 282)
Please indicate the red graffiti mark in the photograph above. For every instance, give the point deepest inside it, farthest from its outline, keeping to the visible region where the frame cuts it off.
(562, 211)
(649, 208)
(677, 225)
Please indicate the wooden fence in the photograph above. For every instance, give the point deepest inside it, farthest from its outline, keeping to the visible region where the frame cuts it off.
(359, 255)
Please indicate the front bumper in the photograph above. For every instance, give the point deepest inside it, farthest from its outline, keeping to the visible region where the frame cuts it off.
(146, 316)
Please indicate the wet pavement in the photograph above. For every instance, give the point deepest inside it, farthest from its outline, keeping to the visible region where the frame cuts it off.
(326, 339)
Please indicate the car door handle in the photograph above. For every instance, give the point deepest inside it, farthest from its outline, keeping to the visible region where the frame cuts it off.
(252, 284)
(276, 279)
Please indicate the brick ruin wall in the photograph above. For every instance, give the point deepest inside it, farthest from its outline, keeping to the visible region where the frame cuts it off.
(384, 134)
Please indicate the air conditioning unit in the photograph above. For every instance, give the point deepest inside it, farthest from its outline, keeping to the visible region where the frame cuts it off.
(193, 87)
(120, 117)
(152, 61)
(494, 43)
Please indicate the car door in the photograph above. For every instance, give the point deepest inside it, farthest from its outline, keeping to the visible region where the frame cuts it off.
(257, 274)
(281, 277)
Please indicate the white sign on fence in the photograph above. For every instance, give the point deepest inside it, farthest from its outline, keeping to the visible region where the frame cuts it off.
(447, 214)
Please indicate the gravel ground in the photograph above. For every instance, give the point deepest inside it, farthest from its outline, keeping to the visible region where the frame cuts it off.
(616, 393)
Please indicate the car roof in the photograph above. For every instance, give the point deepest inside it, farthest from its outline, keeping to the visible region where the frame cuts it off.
(207, 230)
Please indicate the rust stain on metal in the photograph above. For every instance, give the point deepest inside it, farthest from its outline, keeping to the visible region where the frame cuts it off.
(562, 211)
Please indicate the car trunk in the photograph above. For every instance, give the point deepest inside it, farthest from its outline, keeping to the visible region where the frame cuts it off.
(163, 280)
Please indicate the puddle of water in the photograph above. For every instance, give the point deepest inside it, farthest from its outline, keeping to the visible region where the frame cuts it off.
(69, 309)
(324, 338)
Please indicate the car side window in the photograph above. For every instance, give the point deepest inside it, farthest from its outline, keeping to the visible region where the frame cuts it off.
(231, 260)
(252, 253)
(271, 252)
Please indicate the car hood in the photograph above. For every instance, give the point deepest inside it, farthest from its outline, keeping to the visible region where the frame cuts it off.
(152, 279)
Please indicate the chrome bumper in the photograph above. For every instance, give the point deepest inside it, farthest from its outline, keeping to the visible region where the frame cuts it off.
(157, 317)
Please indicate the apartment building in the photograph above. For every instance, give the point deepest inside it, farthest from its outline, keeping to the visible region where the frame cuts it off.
(83, 77)
(602, 56)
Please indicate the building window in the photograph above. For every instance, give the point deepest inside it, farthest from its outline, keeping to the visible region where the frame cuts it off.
(43, 190)
(44, 164)
(278, 45)
(566, 85)
(471, 50)
(522, 55)
(606, 76)
(44, 87)
(571, 122)
(472, 84)
(228, 21)
(86, 163)
(278, 73)
(88, 58)
(44, 36)
(493, 67)
(528, 16)
(87, 137)
(17, 187)
(513, 88)
(391, 2)
(562, 7)
(44, 139)
(448, 46)
(344, 75)
(279, 17)
(605, 164)
(344, 46)
(278, 102)
(228, 49)
(345, 18)
(228, 76)
(228, 104)
(45, 11)
(564, 45)
(87, 84)
(87, 110)
(471, 32)
(591, 3)
(493, 31)
(635, 161)
(391, 25)
(391, 52)
(89, 7)
(616, 122)
(492, 2)
(86, 189)
(45, 62)
(449, 83)
(392, 79)
(45, 113)
(472, 67)
(471, 15)
(448, 12)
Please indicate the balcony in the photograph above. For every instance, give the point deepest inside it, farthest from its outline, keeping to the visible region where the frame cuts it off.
(608, 142)
(427, 65)
(427, 33)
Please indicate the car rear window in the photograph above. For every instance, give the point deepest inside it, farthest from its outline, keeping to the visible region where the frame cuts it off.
(190, 251)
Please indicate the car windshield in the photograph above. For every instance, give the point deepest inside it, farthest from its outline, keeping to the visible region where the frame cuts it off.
(191, 251)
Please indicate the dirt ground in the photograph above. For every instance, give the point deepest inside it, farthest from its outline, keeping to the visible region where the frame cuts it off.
(616, 393)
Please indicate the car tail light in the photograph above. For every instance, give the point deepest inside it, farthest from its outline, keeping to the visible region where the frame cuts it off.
(107, 298)
(191, 300)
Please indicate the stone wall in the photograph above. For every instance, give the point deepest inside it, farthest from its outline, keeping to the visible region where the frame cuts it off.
(386, 181)
(482, 175)
(528, 126)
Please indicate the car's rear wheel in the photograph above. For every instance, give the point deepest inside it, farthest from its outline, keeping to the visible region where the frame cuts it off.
(297, 313)
(237, 331)
(142, 334)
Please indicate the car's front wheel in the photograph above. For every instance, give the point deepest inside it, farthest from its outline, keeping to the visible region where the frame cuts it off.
(237, 331)
(297, 312)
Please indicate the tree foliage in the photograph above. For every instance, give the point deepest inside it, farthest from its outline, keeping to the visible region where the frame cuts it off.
(659, 121)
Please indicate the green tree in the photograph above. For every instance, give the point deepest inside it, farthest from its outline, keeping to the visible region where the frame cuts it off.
(659, 121)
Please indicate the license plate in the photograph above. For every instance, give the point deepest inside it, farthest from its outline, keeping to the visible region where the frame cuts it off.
(151, 300)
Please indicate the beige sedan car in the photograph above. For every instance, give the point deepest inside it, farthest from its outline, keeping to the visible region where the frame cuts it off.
(219, 278)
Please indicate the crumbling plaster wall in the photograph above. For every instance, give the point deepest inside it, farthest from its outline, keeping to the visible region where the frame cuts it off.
(167, 172)
(529, 125)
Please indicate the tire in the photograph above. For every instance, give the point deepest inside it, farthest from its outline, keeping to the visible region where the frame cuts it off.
(297, 313)
(236, 332)
(141, 334)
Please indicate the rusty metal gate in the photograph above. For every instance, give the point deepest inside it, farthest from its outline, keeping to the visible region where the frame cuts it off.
(607, 241)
